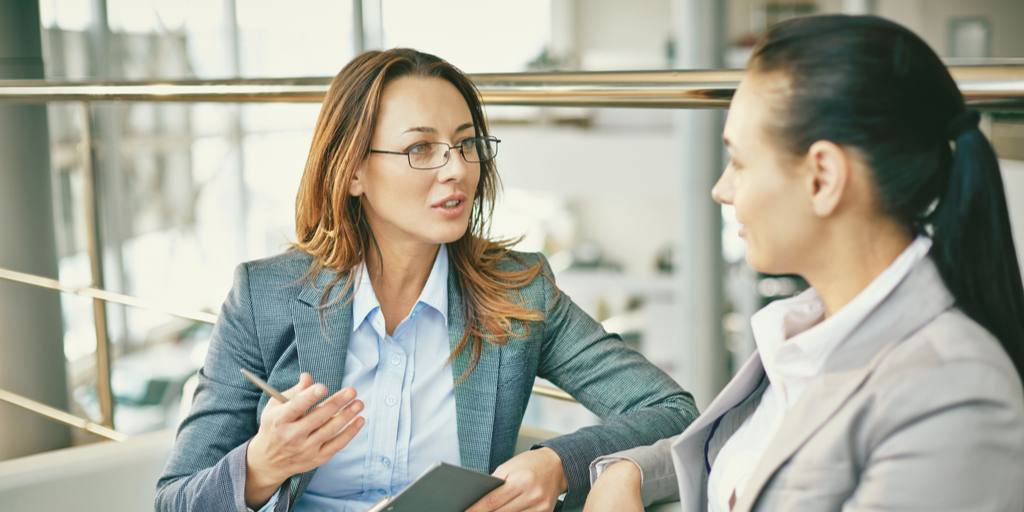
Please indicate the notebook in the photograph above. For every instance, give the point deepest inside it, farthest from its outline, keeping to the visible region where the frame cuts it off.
(441, 488)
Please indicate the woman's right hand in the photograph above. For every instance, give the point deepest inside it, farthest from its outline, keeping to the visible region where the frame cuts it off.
(616, 490)
(290, 441)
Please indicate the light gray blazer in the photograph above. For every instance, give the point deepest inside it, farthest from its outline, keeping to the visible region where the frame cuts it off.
(919, 409)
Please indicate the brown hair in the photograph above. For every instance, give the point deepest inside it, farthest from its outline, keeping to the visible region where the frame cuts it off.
(329, 222)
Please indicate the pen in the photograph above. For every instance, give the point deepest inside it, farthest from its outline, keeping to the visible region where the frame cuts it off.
(264, 386)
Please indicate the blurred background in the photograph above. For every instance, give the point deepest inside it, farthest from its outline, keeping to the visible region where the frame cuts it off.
(617, 199)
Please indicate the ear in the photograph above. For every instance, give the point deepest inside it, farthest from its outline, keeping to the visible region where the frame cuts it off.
(829, 166)
(356, 186)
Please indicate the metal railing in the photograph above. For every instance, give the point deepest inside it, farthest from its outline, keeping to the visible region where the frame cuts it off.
(994, 88)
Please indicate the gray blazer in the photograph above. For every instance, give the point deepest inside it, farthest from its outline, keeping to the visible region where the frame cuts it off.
(272, 327)
(919, 409)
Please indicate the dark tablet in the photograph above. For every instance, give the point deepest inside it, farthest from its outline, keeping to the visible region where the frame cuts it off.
(442, 488)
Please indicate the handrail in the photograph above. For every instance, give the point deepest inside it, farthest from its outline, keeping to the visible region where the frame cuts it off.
(61, 416)
(989, 87)
(198, 316)
(96, 293)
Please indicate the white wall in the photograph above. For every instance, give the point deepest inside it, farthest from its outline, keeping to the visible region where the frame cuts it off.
(930, 19)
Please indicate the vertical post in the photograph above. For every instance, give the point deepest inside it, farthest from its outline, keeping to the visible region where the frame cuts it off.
(95, 247)
(237, 130)
(358, 42)
(32, 360)
(697, 30)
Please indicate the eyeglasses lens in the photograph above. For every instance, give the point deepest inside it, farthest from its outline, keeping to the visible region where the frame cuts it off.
(435, 154)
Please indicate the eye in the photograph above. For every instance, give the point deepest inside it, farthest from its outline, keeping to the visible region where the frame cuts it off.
(419, 149)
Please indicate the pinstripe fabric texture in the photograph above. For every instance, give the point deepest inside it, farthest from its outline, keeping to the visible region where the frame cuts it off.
(269, 324)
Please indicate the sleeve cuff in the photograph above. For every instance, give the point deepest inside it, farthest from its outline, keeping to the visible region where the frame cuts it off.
(602, 463)
(270, 504)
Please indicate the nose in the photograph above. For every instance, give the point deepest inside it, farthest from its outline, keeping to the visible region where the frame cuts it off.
(723, 191)
(456, 168)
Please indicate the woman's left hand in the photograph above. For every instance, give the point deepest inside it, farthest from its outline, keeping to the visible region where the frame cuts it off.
(533, 482)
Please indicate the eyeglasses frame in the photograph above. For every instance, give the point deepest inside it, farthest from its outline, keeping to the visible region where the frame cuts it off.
(447, 153)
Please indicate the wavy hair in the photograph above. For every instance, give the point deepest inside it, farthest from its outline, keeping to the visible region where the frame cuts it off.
(330, 225)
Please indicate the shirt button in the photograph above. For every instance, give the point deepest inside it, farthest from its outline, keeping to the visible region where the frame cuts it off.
(385, 462)
(381, 491)
(396, 359)
(391, 400)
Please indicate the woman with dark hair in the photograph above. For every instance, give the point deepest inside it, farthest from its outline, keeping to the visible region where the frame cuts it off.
(422, 335)
(894, 383)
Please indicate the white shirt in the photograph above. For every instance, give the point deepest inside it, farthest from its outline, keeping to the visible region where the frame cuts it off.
(794, 343)
(409, 394)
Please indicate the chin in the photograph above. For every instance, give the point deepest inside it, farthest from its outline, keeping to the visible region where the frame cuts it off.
(447, 236)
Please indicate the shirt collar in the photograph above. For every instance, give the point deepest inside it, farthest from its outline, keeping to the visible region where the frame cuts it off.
(434, 294)
(793, 342)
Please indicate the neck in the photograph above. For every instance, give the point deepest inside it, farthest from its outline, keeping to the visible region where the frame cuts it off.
(399, 270)
(398, 275)
(849, 261)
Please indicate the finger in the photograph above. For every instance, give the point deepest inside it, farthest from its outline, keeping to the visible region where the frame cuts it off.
(305, 380)
(495, 499)
(327, 409)
(342, 439)
(517, 504)
(296, 407)
(320, 434)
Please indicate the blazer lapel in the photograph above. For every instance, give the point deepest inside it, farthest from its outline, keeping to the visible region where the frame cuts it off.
(915, 302)
(475, 396)
(322, 347)
(688, 451)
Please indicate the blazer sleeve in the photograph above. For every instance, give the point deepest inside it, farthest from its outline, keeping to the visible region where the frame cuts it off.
(657, 473)
(948, 439)
(206, 468)
(639, 403)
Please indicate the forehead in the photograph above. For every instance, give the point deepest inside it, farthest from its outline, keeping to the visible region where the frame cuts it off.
(755, 106)
(410, 102)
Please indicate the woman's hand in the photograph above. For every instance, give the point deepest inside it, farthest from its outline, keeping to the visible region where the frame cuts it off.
(616, 490)
(533, 482)
(290, 441)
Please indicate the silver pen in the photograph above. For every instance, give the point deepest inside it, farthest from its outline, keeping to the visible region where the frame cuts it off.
(262, 384)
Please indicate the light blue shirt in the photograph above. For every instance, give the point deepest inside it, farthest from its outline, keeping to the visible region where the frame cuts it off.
(407, 386)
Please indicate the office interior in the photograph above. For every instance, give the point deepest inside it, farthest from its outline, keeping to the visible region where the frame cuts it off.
(159, 201)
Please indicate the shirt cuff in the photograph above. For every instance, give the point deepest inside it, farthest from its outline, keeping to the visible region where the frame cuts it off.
(270, 504)
(602, 463)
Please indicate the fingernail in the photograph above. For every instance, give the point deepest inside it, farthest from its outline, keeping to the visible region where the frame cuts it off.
(358, 406)
(319, 390)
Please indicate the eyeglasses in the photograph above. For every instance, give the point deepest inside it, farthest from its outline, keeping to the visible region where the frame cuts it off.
(434, 155)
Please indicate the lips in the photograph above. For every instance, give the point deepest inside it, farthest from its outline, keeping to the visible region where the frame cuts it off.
(451, 206)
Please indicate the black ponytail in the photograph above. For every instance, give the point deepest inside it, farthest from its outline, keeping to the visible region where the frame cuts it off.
(872, 84)
(973, 243)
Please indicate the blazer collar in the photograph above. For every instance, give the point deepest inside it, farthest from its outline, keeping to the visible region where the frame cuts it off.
(916, 301)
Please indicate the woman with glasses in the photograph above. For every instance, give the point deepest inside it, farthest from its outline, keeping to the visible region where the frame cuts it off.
(895, 382)
(403, 335)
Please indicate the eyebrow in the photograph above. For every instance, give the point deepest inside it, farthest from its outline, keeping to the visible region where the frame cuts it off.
(430, 129)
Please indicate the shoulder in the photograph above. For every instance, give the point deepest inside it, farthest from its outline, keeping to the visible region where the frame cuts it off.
(953, 341)
(950, 366)
(515, 261)
(285, 269)
(540, 291)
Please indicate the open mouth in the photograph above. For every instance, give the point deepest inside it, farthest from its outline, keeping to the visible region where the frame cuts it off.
(451, 206)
